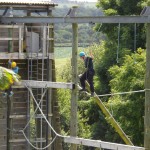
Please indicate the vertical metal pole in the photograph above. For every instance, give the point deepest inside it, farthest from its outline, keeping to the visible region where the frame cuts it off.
(147, 92)
(74, 95)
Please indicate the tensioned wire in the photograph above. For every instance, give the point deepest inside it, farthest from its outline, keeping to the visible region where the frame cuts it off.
(121, 93)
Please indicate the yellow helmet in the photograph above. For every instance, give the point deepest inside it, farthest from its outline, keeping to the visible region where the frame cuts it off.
(13, 64)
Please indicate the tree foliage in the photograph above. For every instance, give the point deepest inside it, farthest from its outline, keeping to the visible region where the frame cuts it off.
(129, 109)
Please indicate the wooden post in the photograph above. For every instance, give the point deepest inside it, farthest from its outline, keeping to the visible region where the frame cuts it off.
(74, 95)
(53, 95)
(147, 93)
(50, 74)
(8, 123)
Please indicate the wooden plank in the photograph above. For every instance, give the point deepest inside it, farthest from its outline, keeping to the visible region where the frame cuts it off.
(110, 118)
(3, 132)
(20, 146)
(101, 144)
(17, 140)
(18, 116)
(17, 55)
(8, 39)
(48, 84)
(84, 19)
(10, 26)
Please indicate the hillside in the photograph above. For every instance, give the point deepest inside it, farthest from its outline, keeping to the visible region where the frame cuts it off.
(84, 9)
(86, 33)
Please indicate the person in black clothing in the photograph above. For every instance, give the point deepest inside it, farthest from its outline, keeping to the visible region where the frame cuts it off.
(88, 74)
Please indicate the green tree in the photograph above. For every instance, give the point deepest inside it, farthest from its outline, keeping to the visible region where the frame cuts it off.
(128, 40)
(128, 109)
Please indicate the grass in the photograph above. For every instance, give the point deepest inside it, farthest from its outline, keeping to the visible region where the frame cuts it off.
(60, 62)
(63, 52)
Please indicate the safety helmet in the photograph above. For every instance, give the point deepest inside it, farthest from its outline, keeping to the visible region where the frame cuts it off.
(82, 54)
(13, 64)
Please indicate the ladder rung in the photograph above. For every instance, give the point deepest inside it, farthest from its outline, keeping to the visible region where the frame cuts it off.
(17, 140)
(37, 140)
(17, 116)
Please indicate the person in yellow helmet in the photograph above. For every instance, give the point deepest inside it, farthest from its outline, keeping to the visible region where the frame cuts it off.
(15, 69)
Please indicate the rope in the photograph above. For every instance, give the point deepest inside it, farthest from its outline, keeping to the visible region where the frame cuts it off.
(42, 112)
(134, 42)
(35, 146)
(121, 93)
(38, 107)
(118, 43)
(35, 109)
(134, 37)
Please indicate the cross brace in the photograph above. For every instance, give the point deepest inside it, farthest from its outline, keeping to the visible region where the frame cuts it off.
(46, 84)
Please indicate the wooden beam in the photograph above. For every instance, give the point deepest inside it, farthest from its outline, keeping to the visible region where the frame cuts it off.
(17, 55)
(101, 144)
(17, 140)
(110, 118)
(97, 19)
(48, 84)
(10, 39)
(18, 116)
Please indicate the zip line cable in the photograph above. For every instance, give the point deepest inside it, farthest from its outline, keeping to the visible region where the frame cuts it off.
(121, 93)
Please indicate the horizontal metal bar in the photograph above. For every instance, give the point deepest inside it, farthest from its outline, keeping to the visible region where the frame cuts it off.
(101, 144)
(48, 84)
(100, 19)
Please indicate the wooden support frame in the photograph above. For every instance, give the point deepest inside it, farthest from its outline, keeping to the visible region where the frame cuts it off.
(100, 144)
(46, 84)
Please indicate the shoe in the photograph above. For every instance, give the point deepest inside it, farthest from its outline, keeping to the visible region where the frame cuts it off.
(82, 90)
(4, 95)
(92, 94)
(11, 94)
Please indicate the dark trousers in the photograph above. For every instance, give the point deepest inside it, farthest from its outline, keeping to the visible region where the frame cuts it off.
(8, 90)
(88, 75)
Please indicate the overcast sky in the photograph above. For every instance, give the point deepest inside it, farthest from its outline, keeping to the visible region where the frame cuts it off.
(85, 0)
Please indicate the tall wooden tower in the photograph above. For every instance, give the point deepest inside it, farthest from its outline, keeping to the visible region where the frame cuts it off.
(31, 46)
